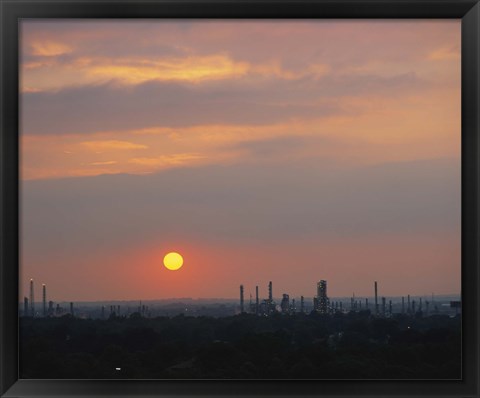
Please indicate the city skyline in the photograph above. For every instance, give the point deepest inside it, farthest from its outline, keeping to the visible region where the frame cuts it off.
(291, 151)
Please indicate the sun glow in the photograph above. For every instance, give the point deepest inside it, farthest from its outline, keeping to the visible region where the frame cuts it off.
(173, 261)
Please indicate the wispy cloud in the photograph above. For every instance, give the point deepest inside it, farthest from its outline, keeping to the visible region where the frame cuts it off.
(49, 48)
(445, 53)
(191, 69)
(97, 146)
(106, 163)
(167, 160)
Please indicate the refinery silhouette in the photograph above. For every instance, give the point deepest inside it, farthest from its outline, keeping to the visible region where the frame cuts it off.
(321, 303)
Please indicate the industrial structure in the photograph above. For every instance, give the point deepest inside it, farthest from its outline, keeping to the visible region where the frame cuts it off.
(32, 300)
(321, 302)
(285, 304)
(44, 294)
(242, 309)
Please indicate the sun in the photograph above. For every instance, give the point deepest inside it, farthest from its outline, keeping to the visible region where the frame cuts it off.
(173, 261)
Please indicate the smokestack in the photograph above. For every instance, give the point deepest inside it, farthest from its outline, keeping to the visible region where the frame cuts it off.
(302, 304)
(390, 307)
(403, 305)
(44, 300)
(366, 303)
(32, 300)
(383, 306)
(376, 298)
(256, 300)
(409, 309)
(241, 299)
(270, 292)
(71, 308)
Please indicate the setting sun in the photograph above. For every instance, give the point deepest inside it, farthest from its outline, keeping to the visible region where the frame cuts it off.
(173, 261)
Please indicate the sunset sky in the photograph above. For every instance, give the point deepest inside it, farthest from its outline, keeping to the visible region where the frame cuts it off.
(289, 151)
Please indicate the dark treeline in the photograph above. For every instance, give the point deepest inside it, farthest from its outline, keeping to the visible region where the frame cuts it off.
(342, 346)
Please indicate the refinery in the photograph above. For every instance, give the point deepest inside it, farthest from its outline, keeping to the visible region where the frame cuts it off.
(320, 303)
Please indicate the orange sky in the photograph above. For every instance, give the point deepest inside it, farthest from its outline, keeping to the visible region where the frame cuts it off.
(289, 151)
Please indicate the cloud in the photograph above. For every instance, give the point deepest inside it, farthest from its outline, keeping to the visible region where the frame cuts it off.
(111, 144)
(106, 163)
(168, 160)
(109, 107)
(276, 146)
(244, 203)
(87, 70)
(445, 53)
(191, 69)
(49, 48)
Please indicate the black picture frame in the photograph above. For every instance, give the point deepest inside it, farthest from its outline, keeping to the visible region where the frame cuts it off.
(14, 10)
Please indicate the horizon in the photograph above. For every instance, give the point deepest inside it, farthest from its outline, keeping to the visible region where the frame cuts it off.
(231, 298)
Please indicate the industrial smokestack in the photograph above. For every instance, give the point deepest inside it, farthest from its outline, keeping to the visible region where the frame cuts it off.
(44, 300)
(71, 308)
(270, 291)
(32, 299)
(376, 299)
(302, 304)
(256, 300)
(241, 299)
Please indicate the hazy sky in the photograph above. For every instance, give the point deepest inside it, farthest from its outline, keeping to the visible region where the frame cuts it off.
(289, 151)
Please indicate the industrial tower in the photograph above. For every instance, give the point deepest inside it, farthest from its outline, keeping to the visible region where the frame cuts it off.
(44, 294)
(322, 298)
(32, 302)
(241, 299)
